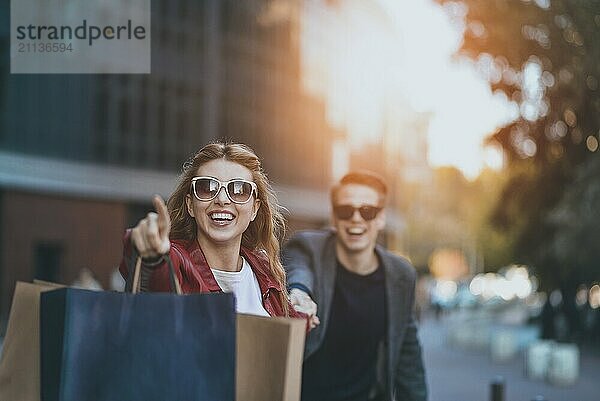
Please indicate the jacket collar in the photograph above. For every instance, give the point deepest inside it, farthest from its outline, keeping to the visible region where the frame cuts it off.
(258, 261)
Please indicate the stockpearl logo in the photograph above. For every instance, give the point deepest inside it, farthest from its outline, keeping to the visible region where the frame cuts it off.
(77, 36)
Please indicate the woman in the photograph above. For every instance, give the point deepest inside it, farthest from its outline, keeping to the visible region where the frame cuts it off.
(221, 230)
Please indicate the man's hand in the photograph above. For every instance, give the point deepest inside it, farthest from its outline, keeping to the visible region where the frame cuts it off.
(151, 235)
(302, 302)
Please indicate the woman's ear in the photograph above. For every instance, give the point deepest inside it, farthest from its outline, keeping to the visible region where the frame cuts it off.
(255, 208)
(188, 204)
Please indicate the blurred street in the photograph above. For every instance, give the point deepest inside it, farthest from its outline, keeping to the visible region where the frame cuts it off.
(458, 374)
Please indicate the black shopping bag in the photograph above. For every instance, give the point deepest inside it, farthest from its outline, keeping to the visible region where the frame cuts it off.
(108, 346)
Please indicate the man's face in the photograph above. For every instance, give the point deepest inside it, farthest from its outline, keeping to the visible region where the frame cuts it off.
(355, 233)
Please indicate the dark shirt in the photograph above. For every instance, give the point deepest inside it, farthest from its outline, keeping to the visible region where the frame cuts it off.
(343, 368)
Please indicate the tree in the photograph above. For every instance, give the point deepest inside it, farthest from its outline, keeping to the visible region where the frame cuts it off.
(544, 56)
(575, 245)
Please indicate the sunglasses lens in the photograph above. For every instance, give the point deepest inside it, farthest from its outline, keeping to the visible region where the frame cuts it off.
(206, 188)
(343, 212)
(239, 191)
(369, 212)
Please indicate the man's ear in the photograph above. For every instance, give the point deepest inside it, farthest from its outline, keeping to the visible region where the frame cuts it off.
(380, 220)
(333, 221)
(188, 204)
(255, 207)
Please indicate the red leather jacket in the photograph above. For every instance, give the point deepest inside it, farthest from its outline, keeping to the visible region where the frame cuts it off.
(195, 275)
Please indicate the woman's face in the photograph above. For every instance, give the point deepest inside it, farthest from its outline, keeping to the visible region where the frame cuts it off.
(220, 220)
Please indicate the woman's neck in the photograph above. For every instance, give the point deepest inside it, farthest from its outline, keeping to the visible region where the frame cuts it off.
(224, 257)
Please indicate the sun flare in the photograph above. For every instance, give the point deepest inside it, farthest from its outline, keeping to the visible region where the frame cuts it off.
(370, 59)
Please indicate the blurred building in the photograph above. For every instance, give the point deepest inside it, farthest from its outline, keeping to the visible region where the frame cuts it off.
(347, 61)
(81, 155)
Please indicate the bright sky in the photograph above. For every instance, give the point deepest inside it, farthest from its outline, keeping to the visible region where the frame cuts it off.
(369, 58)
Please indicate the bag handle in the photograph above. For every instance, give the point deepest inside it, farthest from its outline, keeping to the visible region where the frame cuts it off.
(132, 284)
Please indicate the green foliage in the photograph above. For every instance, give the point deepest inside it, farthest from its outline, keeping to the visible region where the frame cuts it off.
(575, 244)
(550, 148)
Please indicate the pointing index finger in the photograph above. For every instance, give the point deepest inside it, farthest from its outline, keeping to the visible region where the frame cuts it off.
(164, 222)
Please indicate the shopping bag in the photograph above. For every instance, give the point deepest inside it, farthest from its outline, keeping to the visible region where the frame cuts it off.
(269, 358)
(106, 346)
(109, 346)
(20, 362)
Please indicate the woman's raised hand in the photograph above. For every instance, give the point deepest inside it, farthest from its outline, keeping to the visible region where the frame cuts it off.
(151, 235)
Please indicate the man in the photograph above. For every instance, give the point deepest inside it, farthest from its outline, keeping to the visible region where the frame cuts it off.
(366, 345)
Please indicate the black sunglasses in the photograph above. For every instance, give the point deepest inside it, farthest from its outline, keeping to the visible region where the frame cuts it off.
(345, 212)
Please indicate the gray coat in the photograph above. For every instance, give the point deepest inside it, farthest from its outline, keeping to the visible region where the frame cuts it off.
(310, 260)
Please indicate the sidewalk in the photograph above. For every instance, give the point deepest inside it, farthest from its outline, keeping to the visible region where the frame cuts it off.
(454, 374)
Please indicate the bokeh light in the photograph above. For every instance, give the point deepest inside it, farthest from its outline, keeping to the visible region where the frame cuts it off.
(515, 283)
(581, 297)
(592, 143)
(594, 297)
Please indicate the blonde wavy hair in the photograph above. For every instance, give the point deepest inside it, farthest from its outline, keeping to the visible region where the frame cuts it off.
(263, 234)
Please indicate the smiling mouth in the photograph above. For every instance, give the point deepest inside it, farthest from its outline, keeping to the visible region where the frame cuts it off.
(356, 231)
(221, 217)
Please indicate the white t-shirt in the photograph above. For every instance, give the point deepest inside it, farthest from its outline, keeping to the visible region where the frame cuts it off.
(244, 286)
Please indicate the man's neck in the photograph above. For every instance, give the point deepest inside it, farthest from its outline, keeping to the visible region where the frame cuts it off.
(362, 263)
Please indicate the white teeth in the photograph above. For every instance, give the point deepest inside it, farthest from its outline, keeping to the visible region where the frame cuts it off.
(356, 230)
(221, 216)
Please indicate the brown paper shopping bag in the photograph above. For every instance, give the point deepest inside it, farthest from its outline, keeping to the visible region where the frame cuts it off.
(269, 358)
(20, 362)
